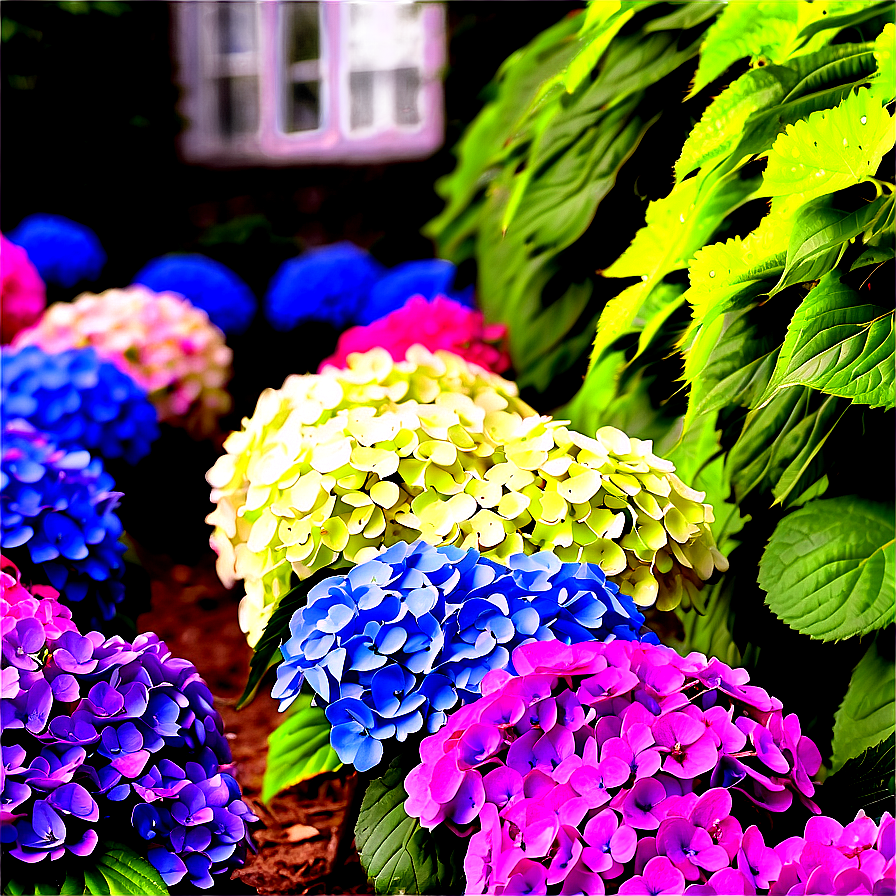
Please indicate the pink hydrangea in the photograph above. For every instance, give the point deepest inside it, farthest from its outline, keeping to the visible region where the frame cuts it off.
(23, 295)
(609, 762)
(439, 324)
(164, 343)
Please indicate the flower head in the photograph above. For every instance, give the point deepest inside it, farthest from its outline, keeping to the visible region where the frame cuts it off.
(329, 284)
(441, 323)
(427, 278)
(63, 251)
(78, 399)
(400, 639)
(207, 284)
(57, 506)
(23, 295)
(160, 340)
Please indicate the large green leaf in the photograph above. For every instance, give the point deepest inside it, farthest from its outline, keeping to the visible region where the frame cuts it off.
(398, 854)
(298, 749)
(129, 874)
(867, 714)
(828, 151)
(839, 344)
(829, 568)
(884, 84)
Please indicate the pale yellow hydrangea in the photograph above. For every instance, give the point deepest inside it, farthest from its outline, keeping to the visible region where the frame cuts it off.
(333, 467)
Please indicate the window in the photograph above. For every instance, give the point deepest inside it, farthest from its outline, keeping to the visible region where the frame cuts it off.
(278, 82)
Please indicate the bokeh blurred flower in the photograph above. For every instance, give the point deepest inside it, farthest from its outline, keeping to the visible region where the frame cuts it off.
(400, 639)
(23, 295)
(102, 737)
(330, 284)
(164, 343)
(428, 278)
(540, 771)
(438, 324)
(58, 506)
(207, 284)
(78, 399)
(63, 251)
(334, 466)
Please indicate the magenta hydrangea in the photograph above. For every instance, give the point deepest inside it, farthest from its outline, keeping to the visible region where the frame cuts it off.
(103, 736)
(442, 323)
(23, 295)
(608, 762)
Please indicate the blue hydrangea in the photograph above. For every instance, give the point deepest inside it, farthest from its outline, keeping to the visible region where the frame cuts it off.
(79, 399)
(63, 251)
(329, 284)
(429, 279)
(207, 284)
(110, 739)
(400, 639)
(58, 506)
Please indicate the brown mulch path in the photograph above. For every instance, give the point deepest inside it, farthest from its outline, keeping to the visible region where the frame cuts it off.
(298, 831)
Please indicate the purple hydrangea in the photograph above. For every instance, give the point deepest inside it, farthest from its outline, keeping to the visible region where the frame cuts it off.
(400, 639)
(57, 510)
(330, 284)
(80, 399)
(101, 736)
(618, 761)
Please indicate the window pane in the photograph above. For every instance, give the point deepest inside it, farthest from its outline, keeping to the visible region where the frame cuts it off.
(302, 32)
(238, 105)
(302, 106)
(361, 89)
(407, 86)
(236, 27)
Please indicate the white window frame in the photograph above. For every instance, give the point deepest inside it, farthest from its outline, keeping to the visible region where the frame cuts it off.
(333, 141)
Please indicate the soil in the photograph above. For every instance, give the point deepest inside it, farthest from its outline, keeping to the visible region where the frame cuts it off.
(298, 832)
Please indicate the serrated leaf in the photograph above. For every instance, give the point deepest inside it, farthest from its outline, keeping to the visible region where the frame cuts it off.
(298, 749)
(399, 855)
(867, 715)
(128, 873)
(828, 151)
(840, 345)
(821, 234)
(866, 783)
(267, 650)
(829, 568)
(883, 87)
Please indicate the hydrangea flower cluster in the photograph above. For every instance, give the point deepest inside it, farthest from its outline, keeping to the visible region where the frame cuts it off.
(77, 398)
(438, 324)
(328, 284)
(429, 278)
(63, 251)
(207, 284)
(159, 339)
(58, 504)
(23, 295)
(97, 728)
(333, 467)
(390, 646)
(596, 755)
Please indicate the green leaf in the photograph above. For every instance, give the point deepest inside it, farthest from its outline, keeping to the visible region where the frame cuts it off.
(73, 884)
(840, 345)
(299, 748)
(851, 14)
(603, 32)
(882, 87)
(867, 715)
(267, 650)
(828, 151)
(128, 873)
(686, 16)
(709, 633)
(399, 855)
(866, 783)
(95, 883)
(829, 568)
(821, 235)
(13, 888)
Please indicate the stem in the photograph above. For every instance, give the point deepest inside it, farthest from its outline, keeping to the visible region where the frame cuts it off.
(347, 828)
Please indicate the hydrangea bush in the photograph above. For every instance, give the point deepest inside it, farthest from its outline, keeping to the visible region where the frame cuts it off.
(57, 507)
(23, 295)
(77, 398)
(102, 736)
(63, 251)
(441, 323)
(428, 278)
(598, 762)
(330, 284)
(334, 466)
(400, 639)
(207, 284)
(159, 339)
